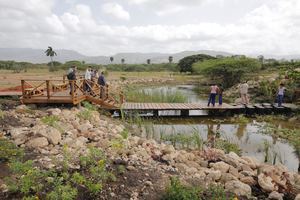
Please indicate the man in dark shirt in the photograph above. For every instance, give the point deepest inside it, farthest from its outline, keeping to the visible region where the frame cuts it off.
(72, 78)
(102, 83)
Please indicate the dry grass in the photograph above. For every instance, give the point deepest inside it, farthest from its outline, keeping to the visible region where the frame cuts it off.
(10, 79)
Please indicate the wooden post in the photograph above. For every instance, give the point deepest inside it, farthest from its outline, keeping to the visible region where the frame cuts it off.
(23, 88)
(48, 89)
(155, 113)
(64, 78)
(121, 97)
(73, 89)
(184, 113)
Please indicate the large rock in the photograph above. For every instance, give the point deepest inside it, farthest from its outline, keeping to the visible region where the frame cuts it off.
(52, 134)
(222, 166)
(168, 149)
(248, 180)
(54, 111)
(37, 142)
(297, 197)
(238, 188)
(266, 183)
(85, 127)
(275, 196)
(215, 175)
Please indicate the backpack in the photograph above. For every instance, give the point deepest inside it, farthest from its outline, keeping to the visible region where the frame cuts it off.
(69, 76)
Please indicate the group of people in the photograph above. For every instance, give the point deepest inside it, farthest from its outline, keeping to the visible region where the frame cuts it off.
(243, 91)
(91, 77)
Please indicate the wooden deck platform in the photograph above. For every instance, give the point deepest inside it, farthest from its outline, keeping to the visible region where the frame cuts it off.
(58, 92)
(178, 106)
(10, 93)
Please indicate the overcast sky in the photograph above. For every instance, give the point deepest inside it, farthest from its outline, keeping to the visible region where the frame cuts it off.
(106, 27)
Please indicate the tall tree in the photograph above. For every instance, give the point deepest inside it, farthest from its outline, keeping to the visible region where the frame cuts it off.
(111, 59)
(148, 61)
(170, 59)
(50, 52)
(122, 60)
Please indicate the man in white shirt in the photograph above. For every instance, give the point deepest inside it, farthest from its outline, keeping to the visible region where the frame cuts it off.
(243, 88)
(87, 78)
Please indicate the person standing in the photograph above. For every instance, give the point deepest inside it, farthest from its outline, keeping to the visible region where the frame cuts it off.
(220, 93)
(280, 94)
(244, 92)
(102, 83)
(87, 78)
(213, 93)
(72, 78)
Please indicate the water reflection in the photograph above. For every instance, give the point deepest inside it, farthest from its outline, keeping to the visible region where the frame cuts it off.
(247, 135)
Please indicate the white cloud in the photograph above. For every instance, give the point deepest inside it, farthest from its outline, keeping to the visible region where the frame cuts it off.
(116, 10)
(272, 28)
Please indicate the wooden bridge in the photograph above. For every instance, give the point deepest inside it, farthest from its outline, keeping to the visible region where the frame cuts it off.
(58, 91)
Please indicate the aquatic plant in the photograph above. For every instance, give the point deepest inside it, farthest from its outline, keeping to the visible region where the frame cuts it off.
(227, 146)
(137, 95)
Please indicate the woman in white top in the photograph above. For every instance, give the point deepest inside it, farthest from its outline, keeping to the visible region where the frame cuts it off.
(280, 94)
(213, 92)
(244, 92)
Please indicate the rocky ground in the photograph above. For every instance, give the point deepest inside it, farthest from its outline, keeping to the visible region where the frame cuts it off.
(148, 164)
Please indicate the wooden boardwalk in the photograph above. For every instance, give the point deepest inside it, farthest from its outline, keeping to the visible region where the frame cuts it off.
(58, 92)
(178, 106)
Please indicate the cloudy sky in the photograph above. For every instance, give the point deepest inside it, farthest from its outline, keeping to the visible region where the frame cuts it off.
(106, 27)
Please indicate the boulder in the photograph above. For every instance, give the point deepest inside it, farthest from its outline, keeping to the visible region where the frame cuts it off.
(52, 134)
(266, 183)
(275, 196)
(37, 142)
(214, 175)
(168, 149)
(238, 188)
(226, 177)
(222, 166)
(85, 127)
(248, 180)
(54, 111)
(297, 197)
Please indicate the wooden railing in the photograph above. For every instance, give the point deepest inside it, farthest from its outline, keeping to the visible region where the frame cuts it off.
(59, 89)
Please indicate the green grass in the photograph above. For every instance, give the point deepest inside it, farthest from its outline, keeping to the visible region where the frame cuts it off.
(177, 191)
(28, 181)
(136, 95)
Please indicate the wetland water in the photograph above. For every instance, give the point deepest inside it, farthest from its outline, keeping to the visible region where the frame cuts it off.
(248, 135)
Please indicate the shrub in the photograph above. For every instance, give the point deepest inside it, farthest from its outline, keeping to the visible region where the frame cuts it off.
(177, 191)
(186, 63)
(9, 151)
(50, 120)
(227, 146)
(228, 71)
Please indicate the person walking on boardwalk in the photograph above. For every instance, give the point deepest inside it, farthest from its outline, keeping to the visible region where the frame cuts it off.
(212, 95)
(243, 88)
(220, 93)
(280, 94)
(72, 78)
(102, 83)
(87, 78)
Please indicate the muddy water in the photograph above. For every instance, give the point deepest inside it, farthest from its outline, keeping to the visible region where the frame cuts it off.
(248, 135)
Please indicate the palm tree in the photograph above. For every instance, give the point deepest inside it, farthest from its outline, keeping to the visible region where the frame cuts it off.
(148, 61)
(170, 59)
(122, 60)
(51, 53)
(111, 59)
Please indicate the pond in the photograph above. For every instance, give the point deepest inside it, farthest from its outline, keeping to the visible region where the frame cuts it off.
(247, 134)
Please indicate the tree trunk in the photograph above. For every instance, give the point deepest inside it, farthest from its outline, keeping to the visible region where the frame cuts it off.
(52, 66)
